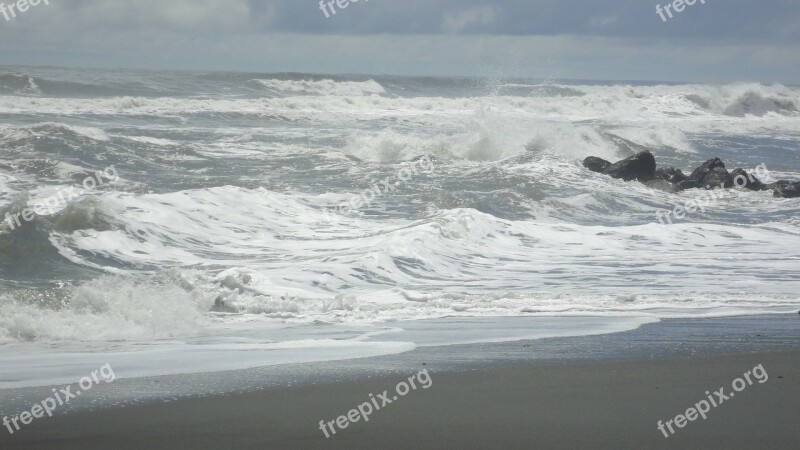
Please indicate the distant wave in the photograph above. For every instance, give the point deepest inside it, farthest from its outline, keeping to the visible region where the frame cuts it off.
(19, 84)
(315, 100)
(323, 87)
(747, 99)
(35, 86)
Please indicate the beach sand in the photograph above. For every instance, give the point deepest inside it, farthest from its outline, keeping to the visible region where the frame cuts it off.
(610, 401)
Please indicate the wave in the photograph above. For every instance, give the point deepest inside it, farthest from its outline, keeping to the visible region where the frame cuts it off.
(176, 304)
(747, 99)
(323, 87)
(324, 100)
(66, 84)
(277, 234)
(51, 130)
(489, 139)
(236, 175)
(279, 255)
(50, 152)
(105, 309)
(32, 86)
(755, 104)
(225, 92)
(19, 84)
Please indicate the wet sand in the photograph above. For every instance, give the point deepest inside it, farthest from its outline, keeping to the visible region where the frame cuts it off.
(603, 402)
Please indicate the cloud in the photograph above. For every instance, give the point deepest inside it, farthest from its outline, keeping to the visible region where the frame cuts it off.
(602, 21)
(144, 15)
(457, 21)
(732, 20)
(612, 39)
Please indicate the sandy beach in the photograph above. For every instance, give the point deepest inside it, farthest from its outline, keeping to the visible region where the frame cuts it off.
(553, 400)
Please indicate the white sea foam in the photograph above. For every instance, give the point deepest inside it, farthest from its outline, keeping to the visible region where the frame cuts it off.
(624, 103)
(105, 309)
(324, 87)
(254, 342)
(483, 128)
(285, 247)
(511, 225)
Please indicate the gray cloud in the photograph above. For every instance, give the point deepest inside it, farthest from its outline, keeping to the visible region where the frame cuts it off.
(621, 39)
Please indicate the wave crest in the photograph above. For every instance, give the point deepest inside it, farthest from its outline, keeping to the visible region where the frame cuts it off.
(107, 308)
(747, 99)
(19, 84)
(323, 87)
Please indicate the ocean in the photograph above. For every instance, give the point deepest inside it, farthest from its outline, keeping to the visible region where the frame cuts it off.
(176, 222)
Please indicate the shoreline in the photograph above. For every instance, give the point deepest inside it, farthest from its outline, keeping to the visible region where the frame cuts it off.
(548, 392)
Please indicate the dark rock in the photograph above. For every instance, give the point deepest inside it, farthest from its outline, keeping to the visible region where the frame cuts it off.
(671, 174)
(701, 172)
(687, 184)
(777, 184)
(718, 177)
(746, 181)
(661, 185)
(791, 190)
(641, 166)
(596, 164)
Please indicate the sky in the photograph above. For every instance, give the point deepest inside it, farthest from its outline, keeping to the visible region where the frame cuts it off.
(718, 41)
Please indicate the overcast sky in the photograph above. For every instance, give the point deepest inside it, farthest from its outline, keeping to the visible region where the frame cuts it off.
(719, 41)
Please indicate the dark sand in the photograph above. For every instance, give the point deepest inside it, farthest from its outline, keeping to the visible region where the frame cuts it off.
(593, 403)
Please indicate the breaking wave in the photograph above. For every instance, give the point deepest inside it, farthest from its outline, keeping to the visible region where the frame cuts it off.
(323, 87)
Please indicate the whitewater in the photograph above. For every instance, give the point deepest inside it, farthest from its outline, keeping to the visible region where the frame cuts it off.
(216, 249)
